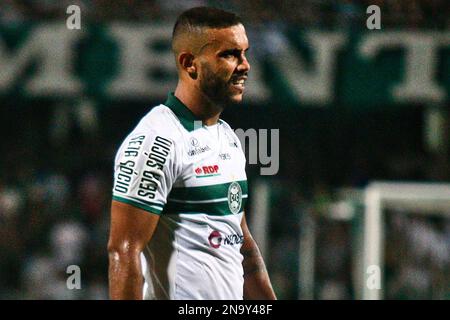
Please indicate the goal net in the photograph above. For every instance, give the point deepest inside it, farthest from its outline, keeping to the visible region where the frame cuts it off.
(398, 223)
(390, 240)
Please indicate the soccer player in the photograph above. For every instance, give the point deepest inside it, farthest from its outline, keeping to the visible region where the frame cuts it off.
(180, 184)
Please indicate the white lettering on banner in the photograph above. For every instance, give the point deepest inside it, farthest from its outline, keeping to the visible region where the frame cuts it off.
(51, 46)
(421, 63)
(138, 58)
(312, 84)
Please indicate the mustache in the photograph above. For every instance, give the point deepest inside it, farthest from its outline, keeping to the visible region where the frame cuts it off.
(240, 76)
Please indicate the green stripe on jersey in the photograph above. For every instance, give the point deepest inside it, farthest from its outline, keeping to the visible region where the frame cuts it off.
(155, 208)
(211, 200)
(211, 192)
(214, 207)
(209, 176)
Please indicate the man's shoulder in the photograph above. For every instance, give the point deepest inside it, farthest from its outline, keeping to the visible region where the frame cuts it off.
(225, 125)
(228, 129)
(231, 133)
(159, 120)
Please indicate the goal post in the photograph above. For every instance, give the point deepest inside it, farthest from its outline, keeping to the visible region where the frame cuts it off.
(418, 198)
(364, 209)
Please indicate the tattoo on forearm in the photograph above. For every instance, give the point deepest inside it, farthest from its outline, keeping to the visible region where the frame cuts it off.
(255, 269)
(253, 262)
(250, 253)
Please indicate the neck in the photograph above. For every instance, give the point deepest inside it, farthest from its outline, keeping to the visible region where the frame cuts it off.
(200, 105)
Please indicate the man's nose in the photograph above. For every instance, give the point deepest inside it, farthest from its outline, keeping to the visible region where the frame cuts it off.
(244, 65)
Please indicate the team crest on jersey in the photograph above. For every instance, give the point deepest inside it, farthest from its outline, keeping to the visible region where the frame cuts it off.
(235, 197)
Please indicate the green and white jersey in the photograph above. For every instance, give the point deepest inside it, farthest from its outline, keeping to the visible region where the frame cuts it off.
(194, 178)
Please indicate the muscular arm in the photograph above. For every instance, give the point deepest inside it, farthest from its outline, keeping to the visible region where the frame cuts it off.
(257, 284)
(131, 229)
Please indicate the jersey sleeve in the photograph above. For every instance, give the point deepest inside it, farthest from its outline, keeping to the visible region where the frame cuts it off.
(238, 144)
(144, 171)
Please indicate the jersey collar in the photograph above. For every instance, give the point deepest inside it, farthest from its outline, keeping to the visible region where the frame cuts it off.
(183, 113)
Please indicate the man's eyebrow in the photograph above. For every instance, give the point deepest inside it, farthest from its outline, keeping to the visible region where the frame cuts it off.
(230, 50)
(234, 50)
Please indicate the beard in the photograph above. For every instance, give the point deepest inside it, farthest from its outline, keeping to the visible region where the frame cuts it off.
(216, 88)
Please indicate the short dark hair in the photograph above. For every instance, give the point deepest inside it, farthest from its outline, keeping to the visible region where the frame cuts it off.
(208, 17)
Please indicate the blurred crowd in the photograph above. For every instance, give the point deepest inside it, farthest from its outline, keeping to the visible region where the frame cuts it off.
(54, 208)
(417, 257)
(316, 13)
(48, 223)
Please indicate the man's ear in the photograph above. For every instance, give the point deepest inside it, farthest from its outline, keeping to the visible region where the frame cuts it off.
(186, 61)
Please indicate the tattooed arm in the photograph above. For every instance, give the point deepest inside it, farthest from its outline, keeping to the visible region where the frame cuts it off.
(257, 284)
(131, 229)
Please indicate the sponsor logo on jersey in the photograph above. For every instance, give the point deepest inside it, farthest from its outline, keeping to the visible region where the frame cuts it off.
(235, 197)
(124, 176)
(194, 142)
(232, 142)
(195, 148)
(198, 150)
(225, 156)
(133, 147)
(216, 239)
(125, 170)
(207, 171)
(156, 159)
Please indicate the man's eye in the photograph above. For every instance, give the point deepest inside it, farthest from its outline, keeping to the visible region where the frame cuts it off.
(228, 54)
